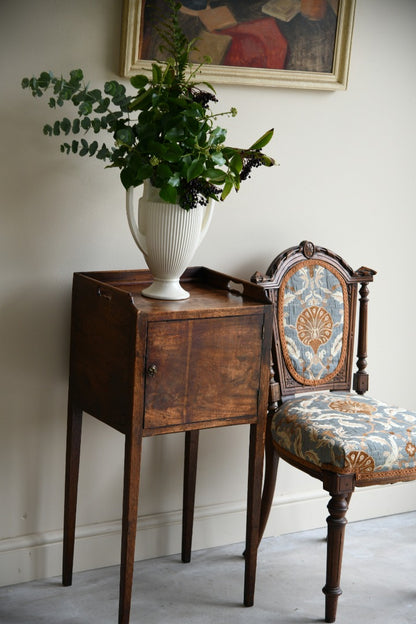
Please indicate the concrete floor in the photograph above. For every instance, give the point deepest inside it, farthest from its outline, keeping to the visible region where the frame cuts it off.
(378, 582)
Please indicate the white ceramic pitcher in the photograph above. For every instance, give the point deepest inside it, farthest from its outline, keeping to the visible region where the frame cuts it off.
(168, 237)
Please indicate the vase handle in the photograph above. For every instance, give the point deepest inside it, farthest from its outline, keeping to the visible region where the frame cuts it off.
(209, 211)
(131, 219)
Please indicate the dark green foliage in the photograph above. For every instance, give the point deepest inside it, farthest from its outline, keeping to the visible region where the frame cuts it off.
(164, 132)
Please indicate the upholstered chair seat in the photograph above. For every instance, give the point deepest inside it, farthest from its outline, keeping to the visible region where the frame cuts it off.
(347, 433)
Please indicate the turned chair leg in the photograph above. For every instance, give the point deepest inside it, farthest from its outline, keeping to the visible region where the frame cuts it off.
(337, 507)
(189, 482)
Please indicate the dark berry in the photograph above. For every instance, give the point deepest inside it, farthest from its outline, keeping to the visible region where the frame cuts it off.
(202, 97)
(194, 192)
(249, 163)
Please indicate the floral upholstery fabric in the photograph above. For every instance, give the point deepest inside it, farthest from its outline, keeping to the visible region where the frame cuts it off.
(313, 321)
(348, 433)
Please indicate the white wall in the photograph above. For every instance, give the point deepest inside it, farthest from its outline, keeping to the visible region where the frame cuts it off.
(346, 180)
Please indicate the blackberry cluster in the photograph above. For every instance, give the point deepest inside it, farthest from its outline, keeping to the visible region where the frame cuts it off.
(202, 97)
(251, 162)
(196, 192)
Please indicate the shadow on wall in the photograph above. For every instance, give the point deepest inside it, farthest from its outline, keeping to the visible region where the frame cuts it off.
(34, 334)
(34, 322)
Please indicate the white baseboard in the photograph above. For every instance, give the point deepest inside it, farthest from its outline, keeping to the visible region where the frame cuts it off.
(38, 556)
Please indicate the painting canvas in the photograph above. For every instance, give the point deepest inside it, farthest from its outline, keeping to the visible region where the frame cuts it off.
(294, 43)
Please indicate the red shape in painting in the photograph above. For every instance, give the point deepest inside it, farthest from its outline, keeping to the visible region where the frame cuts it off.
(256, 44)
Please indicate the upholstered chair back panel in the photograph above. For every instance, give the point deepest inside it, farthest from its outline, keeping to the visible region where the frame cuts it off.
(313, 318)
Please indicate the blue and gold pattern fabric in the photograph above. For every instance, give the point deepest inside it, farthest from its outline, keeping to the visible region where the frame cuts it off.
(313, 321)
(322, 430)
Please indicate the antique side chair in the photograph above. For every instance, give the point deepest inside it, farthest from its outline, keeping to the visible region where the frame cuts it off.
(316, 423)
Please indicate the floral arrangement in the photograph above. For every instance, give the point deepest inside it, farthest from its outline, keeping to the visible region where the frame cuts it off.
(165, 132)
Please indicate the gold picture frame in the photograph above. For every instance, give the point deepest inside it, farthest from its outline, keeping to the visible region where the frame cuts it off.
(334, 79)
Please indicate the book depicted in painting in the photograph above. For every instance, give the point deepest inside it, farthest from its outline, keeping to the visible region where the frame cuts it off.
(213, 45)
(217, 18)
(213, 18)
(284, 10)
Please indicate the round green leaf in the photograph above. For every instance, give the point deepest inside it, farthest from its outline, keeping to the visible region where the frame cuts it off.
(139, 81)
(125, 135)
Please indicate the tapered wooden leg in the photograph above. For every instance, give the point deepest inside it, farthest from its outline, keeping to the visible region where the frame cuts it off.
(133, 445)
(73, 447)
(255, 475)
(337, 507)
(270, 474)
(189, 481)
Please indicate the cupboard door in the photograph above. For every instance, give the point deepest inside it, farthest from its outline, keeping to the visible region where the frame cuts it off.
(195, 370)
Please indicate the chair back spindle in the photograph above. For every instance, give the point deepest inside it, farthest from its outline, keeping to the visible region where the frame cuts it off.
(361, 376)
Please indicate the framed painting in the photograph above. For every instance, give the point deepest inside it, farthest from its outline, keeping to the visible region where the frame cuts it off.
(301, 44)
